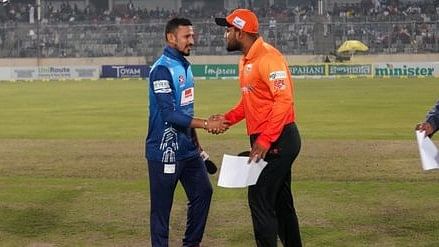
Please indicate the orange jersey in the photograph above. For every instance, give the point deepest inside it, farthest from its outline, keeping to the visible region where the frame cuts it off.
(266, 93)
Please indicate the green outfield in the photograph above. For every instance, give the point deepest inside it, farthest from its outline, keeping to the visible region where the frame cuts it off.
(72, 171)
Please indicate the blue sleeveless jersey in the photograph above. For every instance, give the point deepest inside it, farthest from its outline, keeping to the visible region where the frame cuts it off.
(171, 109)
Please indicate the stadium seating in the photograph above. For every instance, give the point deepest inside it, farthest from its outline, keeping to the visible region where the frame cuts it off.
(70, 32)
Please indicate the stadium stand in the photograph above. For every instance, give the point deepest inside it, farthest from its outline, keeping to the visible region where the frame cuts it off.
(69, 30)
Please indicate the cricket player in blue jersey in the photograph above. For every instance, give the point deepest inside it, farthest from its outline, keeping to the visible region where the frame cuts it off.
(172, 148)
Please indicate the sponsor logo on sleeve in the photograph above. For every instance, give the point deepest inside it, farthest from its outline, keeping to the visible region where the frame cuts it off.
(187, 96)
(279, 84)
(161, 86)
(277, 75)
(278, 79)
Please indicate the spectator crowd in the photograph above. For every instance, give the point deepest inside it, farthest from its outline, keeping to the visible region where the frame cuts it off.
(389, 26)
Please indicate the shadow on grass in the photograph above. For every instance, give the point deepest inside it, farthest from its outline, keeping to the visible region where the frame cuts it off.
(29, 222)
(41, 215)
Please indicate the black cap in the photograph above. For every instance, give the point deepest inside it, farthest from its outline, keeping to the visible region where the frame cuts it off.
(222, 22)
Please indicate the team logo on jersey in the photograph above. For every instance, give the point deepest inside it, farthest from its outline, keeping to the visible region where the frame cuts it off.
(181, 79)
(187, 96)
(248, 68)
(161, 86)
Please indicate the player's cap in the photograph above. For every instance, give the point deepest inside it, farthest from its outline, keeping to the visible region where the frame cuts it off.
(243, 19)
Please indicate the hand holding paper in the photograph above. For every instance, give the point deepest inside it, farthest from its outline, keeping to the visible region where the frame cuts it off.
(428, 151)
(236, 172)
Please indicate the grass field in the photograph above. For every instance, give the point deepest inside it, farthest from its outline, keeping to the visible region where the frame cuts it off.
(72, 171)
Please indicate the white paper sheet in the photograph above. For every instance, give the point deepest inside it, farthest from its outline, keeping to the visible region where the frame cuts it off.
(237, 173)
(428, 151)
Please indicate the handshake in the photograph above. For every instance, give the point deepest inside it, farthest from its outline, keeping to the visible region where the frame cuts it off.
(216, 124)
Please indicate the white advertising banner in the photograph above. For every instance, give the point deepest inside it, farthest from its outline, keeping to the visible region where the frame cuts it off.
(406, 69)
(5, 74)
(68, 72)
(50, 72)
(88, 72)
(23, 73)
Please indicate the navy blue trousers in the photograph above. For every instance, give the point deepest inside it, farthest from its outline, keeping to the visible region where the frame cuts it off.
(195, 181)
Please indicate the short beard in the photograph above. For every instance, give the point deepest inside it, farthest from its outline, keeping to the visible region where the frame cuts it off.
(235, 46)
(185, 53)
(182, 52)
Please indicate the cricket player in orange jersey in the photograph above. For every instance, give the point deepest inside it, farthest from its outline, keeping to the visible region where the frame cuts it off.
(267, 105)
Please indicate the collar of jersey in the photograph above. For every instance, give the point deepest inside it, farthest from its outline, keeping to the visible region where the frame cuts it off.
(255, 49)
(176, 55)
